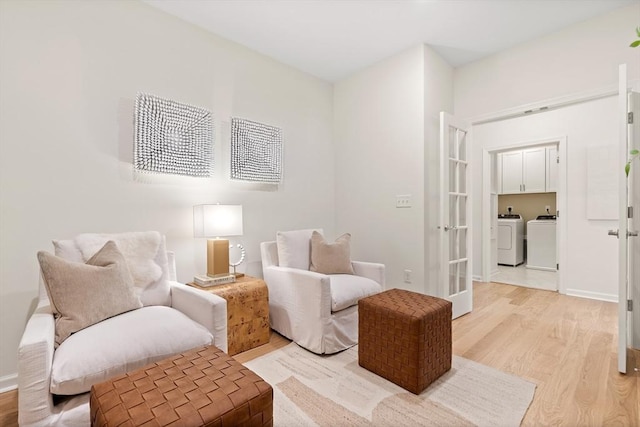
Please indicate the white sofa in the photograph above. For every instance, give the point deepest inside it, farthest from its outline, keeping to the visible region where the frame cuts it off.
(317, 311)
(53, 383)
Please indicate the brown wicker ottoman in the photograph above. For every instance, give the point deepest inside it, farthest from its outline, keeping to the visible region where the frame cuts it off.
(202, 387)
(405, 337)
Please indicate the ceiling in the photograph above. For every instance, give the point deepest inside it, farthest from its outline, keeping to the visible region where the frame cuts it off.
(331, 39)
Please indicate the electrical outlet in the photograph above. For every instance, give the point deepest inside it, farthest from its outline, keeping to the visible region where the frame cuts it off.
(403, 201)
(407, 276)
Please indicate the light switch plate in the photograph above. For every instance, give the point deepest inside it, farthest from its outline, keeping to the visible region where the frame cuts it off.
(403, 201)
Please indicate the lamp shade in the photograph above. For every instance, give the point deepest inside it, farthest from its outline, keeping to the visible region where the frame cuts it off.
(217, 220)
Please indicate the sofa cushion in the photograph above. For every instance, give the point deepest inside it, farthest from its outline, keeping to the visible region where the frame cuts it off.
(331, 258)
(121, 344)
(84, 294)
(294, 248)
(145, 253)
(347, 289)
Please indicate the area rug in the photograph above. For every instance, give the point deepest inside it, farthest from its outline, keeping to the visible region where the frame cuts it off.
(312, 390)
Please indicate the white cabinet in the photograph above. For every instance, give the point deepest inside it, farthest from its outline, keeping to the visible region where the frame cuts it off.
(534, 170)
(523, 171)
(552, 169)
(511, 179)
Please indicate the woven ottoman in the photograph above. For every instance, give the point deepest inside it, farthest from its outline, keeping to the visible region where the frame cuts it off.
(405, 337)
(202, 387)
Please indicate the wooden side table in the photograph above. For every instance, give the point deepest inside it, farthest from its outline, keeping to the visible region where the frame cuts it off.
(247, 312)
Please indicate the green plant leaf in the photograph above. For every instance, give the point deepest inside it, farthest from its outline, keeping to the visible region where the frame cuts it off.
(638, 31)
(634, 152)
(627, 168)
(635, 43)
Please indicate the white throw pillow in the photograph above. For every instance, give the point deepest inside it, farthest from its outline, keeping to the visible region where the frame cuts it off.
(121, 344)
(347, 289)
(294, 248)
(145, 253)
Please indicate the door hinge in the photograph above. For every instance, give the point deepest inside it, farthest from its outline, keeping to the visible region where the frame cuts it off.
(630, 117)
(558, 159)
(629, 211)
(629, 305)
(557, 266)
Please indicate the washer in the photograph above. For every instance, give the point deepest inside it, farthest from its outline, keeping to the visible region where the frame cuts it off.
(541, 243)
(510, 239)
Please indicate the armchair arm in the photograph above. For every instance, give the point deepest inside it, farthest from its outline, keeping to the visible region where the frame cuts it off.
(208, 309)
(35, 357)
(370, 270)
(299, 302)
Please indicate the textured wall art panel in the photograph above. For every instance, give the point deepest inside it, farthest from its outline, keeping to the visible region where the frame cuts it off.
(172, 138)
(256, 151)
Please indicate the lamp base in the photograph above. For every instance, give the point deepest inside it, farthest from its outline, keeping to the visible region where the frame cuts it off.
(217, 257)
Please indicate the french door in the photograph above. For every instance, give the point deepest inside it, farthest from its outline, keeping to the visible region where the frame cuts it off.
(627, 233)
(455, 214)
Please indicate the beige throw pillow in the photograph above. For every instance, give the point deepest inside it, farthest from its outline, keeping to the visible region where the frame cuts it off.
(331, 258)
(84, 294)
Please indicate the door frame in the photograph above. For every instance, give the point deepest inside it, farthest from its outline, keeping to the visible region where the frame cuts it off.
(561, 203)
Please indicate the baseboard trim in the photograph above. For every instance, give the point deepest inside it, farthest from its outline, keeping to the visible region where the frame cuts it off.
(592, 295)
(476, 278)
(8, 382)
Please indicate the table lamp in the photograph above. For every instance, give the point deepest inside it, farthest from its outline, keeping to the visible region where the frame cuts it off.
(213, 222)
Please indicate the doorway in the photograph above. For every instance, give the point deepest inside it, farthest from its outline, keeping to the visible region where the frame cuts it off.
(532, 209)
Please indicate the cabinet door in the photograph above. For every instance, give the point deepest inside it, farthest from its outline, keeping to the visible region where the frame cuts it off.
(511, 172)
(552, 169)
(534, 170)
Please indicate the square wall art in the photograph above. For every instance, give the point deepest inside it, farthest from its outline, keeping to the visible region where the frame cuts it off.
(256, 151)
(172, 138)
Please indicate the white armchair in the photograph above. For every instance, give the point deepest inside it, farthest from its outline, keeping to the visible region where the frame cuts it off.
(317, 311)
(53, 383)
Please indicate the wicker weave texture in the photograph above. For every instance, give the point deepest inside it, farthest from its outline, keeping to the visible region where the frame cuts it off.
(405, 337)
(202, 387)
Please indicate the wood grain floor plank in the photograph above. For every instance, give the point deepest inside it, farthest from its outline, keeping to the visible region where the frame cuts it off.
(566, 345)
(9, 409)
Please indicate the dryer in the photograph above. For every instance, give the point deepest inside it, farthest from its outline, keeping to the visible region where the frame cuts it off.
(510, 239)
(541, 243)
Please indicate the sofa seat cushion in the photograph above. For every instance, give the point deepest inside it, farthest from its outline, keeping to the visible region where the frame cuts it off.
(347, 289)
(121, 344)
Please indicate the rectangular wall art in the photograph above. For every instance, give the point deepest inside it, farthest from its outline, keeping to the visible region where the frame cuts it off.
(256, 151)
(172, 138)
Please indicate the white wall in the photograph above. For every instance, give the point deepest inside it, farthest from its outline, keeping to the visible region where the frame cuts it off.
(379, 139)
(386, 128)
(69, 75)
(580, 58)
(592, 256)
(438, 96)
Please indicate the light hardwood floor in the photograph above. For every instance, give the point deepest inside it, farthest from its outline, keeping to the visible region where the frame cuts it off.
(566, 345)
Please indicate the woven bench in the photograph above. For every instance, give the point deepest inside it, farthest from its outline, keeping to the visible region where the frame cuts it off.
(405, 337)
(202, 387)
